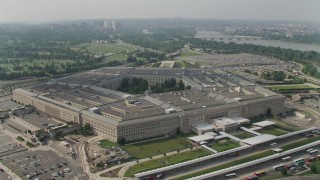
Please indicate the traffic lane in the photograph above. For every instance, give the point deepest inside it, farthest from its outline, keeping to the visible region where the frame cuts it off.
(225, 159)
(267, 166)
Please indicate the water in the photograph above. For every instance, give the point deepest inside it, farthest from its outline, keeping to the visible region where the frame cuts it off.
(287, 45)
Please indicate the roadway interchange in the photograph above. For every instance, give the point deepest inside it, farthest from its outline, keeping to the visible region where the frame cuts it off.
(250, 164)
(192, 166)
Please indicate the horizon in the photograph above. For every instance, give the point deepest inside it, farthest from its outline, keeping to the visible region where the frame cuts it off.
(36, 11)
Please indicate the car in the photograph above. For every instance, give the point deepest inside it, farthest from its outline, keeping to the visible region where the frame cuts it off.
(1, 170)
(9, 177)
(66, 170)
(55, 174)
(65, 163)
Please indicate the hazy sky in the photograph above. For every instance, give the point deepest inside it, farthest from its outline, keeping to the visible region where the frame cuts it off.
(45, 10)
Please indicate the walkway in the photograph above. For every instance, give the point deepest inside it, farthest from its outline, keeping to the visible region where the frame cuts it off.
(209, 149)
(250, 131)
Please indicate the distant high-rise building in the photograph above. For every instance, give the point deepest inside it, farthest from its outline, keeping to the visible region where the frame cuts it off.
(114, 25)
(105, 24)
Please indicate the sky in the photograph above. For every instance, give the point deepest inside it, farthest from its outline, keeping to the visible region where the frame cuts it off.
(52, 10)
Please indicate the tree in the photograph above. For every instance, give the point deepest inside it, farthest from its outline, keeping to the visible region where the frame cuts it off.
(122, 141)
(314, 169)
(181, 85)
(269, 112)
(284, 171)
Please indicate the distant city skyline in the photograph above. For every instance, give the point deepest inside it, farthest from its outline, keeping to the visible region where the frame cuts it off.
(43, 11)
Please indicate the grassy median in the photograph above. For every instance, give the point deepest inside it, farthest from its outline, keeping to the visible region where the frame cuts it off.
(166, 161)
(229, 164)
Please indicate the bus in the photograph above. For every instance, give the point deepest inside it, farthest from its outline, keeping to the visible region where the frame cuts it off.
(231, 175)
(278, 167)
(315, 151)
(298, 160)
(288, 158)
(259, 173)
(308, 150)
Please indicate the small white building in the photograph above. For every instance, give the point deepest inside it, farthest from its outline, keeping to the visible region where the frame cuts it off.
(227, 124)
(256, 140)
(264, 124)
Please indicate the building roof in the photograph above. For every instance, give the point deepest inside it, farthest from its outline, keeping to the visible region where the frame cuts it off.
(200, 138)
(240, 120)
(225, 120)
(204, 127)
(259, 139)
(264, 123)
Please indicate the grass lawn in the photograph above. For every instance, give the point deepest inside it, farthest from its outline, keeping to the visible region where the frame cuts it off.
(109, 48)
(275, 176)
(273, 131)
(243, 135)
(19, 138)
(105, 143)
(224, 145)
(29, 144)
(300, 143)
(229, 164)
(290, 87)
(166, 161)
(317, 165)
(152, 148)
(160, 146)
(118, 57)
(191, 53)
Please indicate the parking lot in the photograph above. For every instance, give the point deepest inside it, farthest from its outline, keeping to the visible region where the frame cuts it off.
(39, 164)
(4, 175)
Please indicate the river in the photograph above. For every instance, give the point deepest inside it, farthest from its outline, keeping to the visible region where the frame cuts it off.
(287, 45)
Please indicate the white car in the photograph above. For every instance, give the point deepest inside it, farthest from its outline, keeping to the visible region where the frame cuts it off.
(55, 174)
(66, 170)
(9, 177)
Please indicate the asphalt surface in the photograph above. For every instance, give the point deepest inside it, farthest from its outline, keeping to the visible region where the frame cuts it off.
(33, 162)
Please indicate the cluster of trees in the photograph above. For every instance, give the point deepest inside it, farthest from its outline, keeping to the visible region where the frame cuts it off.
(22, 47)
(133, 86)
(86, 130)
(151, 56)
(311, 70)
(146, 57)
(169, 85)
(274, 75)
(139, 86)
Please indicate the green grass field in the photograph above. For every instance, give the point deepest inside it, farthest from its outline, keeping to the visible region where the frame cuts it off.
(224, 145)
(109, 48)
(275, 176)
(191, 53)
(300, 143)
(274, 131)
(243, 135)
(106, 143)
(229, 164)
(166, 161)
(290, 87)
(152, 148)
